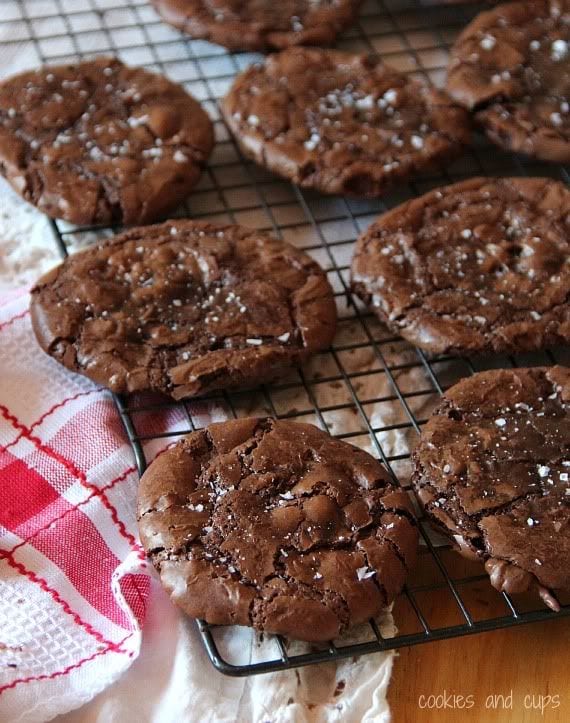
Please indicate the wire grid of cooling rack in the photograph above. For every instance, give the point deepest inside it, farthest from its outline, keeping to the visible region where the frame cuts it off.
(370, 388)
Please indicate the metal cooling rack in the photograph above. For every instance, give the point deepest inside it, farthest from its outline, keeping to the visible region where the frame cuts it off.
(370, 388)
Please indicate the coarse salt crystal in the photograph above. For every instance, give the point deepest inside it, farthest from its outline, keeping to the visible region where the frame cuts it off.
(559, 49)
(543, 470)
(180, 157)
(488, 42)
(363, 572)
(501, 422)
(254, 342)
(365, 103)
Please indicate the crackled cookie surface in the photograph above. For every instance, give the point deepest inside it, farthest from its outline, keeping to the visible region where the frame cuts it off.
(184, 308)
(341, 122)
(258, 24)
(492, 469)
(100, 142)
(276, 525)
(479, 266)
(512, 66)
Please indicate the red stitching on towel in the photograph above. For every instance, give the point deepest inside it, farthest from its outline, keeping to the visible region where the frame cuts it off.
(21, 315)
(50, 411)
(23, 570)
(123, 476)
(65, 671)
(77, 473)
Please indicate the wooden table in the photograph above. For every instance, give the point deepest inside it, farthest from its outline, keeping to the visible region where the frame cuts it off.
(531, 661)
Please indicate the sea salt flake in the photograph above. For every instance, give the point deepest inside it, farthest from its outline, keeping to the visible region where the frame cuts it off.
(365, 103)
(176, 302)
(287, 495)
(363, 572)
(488, 42)
(180, 157)
(255, 342)
(253, 120)
(417, 142)
(543, 470)
(313, 142)
(136, 121)
(559, 49)
(284, 337)
(501, 422)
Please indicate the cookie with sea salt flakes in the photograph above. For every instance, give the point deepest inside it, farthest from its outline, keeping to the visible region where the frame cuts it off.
(479, 266)
(184, 308)
(511, 65)
(341, 122)
(260, 25)
(100, 142)
(276, 525)
(492, 470)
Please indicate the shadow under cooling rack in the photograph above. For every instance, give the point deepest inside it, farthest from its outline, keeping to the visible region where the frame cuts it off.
(370, 388)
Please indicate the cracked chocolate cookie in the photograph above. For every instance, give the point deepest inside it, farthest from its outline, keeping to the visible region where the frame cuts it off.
(479, 266)
(341, 122)
(258, 24)
(184, 308)
(492, 471)
(278, 526)
(100, 142)
(511, 65)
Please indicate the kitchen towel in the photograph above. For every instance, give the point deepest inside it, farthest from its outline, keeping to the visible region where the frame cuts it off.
(82, 616)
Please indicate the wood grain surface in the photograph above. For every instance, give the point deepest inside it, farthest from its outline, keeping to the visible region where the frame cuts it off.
(531, 662)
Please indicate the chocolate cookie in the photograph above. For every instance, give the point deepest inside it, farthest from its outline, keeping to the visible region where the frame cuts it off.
(100, 142)
(492, 469)
(479, 266)
(341, 122)
(512, 66)
(258, 24)
(184, 308)
(276, 525)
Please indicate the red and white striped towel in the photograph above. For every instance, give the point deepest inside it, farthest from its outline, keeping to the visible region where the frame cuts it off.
(74, 581)
(75, 585)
